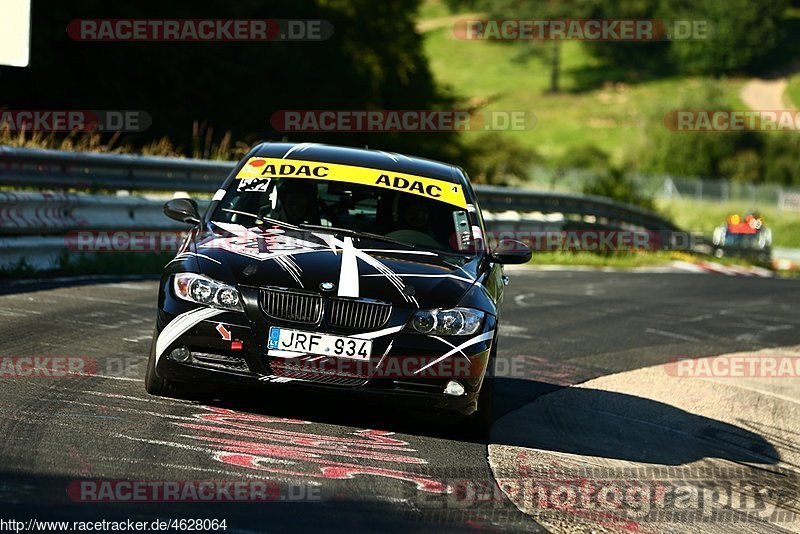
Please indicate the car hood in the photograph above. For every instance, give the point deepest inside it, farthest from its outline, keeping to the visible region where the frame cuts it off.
(356, 266)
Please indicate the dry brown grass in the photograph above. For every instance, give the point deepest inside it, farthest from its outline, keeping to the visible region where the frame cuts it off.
(203, 144)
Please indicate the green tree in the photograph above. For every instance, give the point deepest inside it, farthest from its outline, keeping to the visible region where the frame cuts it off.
(635, 55)
(743, 33)
(782, 158)
(374, 60)
(538, 10)
(617, 185)
(695, 153)
(500, 160)
(585, 156)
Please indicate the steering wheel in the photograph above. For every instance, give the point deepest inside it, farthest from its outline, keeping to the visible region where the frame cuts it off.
(415, 237)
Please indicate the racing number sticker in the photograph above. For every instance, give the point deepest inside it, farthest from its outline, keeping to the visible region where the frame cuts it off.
(432, 188)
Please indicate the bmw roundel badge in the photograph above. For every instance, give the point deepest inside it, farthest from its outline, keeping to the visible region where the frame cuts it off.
(327, 286)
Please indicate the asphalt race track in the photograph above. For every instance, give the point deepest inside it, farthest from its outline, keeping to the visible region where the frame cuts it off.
(331, 463)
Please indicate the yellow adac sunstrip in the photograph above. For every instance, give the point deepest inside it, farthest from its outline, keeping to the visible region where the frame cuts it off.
(432, 188)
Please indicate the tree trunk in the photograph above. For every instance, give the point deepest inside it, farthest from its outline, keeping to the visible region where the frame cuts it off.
(555, 67)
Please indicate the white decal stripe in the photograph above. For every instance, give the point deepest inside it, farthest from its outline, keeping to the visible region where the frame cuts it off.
(219, 195)
(379, 333)
(184, 255)
(451, 346)
(329, 240)
(474, 340)
(414, 252)
(390, 156)
(462, 269)
(385, 353)
(461, 278)
(348, 275)
(233, 228)
(299, 148)
(393, 279)
(290, 266)
(180, 324)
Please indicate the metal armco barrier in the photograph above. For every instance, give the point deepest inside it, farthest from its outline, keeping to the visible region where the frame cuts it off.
(610, 211)
(58, 169)
(30, 213)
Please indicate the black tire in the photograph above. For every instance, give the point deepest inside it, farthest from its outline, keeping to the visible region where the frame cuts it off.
(479, 423)
(153, 384)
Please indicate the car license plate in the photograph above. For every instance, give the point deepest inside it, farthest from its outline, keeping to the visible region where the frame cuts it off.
(318, 343)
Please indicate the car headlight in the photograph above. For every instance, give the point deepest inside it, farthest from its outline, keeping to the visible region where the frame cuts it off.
(453, 322)
(202, 290)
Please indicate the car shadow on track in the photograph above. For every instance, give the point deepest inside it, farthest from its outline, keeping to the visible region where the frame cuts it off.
(591, 422)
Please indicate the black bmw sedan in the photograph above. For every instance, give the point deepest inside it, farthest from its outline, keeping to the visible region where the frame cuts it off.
(320, 266)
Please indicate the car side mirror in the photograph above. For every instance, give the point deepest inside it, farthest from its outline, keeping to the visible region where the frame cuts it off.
(183, 210)
(511, 252)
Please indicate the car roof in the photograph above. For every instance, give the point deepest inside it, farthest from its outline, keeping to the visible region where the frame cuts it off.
(361, 157)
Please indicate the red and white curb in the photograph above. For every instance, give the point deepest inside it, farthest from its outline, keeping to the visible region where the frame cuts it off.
(708, 267)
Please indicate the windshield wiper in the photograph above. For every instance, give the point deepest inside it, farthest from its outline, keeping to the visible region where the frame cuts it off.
(355, 233)
(261, 219)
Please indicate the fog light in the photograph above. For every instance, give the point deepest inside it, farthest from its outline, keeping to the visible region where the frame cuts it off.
(181, 354)
(454, 389)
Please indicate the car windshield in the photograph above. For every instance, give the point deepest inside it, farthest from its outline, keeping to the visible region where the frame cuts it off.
(741, 240)
(378, 213)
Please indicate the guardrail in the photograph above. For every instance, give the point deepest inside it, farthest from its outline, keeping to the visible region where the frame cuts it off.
(25, 214)
(59, 169)
(32, 168)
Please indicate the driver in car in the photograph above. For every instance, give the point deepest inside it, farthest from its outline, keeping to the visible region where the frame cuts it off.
(299, 203)
(414, 218)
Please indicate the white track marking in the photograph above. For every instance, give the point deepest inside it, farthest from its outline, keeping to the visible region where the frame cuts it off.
(125, 378)
(670, 334)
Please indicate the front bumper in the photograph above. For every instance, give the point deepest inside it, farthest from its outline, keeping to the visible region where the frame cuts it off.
(229, 350)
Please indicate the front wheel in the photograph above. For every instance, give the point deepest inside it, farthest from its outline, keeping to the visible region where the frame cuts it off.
(479, 423)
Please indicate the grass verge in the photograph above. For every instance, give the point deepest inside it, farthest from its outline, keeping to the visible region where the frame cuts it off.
(514, 76)
(793, 90)
(625, 260)
(91, 264)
